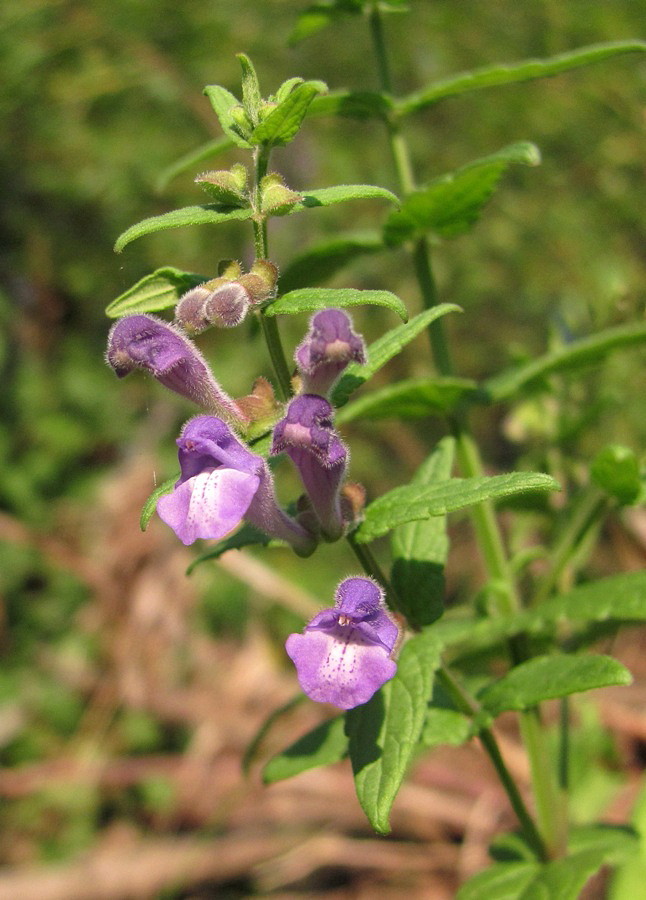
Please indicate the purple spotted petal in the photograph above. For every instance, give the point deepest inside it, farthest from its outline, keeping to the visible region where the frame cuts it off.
(208, 505)
(340, 666)
(344, 653)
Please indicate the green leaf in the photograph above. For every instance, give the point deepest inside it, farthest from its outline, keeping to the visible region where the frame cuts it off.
(502, 881)
(511, 73)
(326, 744)
(352, 105)
(312, 299)
(384, 349)
(160, 290)
(223, 102)
(341, 193)
(584, 351)
(322, 261)
(451, 204)
(616, 470)
(247, 536)
(408, 503)
(320, 15)
(619, 598)
(210, 214)
(251, 96)
(192, 159)
(283, 123)
(411, 398)
(548, 677)
(590, 848)
(445, 726)
(419, 549)
(385, 731)
(150, 505)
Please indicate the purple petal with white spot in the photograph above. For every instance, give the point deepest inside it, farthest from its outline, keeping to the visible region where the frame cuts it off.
(208, 505)
(221, 483)
(308, 437)
(329, 346)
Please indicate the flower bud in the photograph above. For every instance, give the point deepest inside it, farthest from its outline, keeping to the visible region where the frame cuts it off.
(275, 197)
(146, 342)
(226, 186)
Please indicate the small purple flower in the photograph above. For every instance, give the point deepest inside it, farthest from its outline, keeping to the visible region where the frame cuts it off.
(344, 654)
(221, 483)
(308, 437)
(146, 342)
(329, 346)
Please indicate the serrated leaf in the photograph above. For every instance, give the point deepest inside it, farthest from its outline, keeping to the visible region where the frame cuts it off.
(411, 398)
(283, 123)
(324, 745)
(409, 503)
(160, 290)
(549, 677)
(584, 351)
(419, 549)
(384, 349)
(247, 536)
(341, 193)
(451, 204)
(313, 299)
(150, 505)
(384, 732)
(192, 159)
(210, 214)
(352, 105)
(222, 101)
(322, 261)
(512, 73)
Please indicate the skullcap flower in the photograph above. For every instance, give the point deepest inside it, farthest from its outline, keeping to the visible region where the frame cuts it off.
(344, 655)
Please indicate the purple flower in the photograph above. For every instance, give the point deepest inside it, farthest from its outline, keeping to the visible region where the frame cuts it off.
(344, 653)
(329, 346)
(221, 483)
(308, 437)
(146, 342)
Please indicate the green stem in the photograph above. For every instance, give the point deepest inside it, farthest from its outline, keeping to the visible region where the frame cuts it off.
(268, 324)
(466, 704)
(488, 531)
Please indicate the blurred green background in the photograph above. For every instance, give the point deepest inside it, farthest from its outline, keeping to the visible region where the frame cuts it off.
(98, 99)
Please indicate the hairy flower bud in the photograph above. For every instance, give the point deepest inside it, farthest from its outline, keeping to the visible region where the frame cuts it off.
(146, 342)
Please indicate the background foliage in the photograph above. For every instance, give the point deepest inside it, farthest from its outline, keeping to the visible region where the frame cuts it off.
(99, 100)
